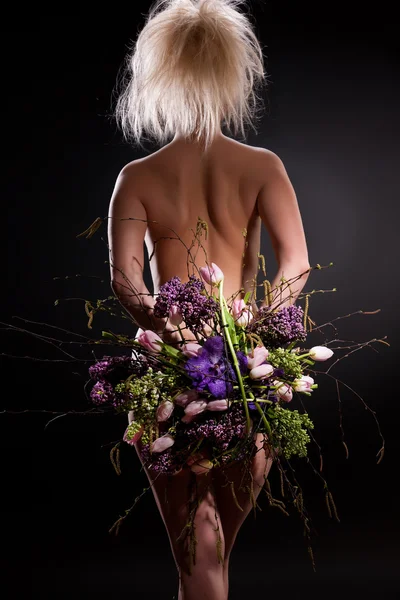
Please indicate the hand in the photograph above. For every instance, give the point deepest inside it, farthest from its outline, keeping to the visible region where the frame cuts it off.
(173, 337)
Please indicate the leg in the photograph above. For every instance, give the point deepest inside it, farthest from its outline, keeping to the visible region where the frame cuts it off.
(232, 517)
(175, 497)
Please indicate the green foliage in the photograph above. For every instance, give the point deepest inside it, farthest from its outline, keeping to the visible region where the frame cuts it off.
(281, 358)
(132, 430)
(247, 297)
(230, 322)
(289, 430)
(144, 394)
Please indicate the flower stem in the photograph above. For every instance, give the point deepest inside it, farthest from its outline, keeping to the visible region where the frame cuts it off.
(181, 334)
(303, 355)
(235, 339)
(234, 358)
(264, 418)
(244, 342)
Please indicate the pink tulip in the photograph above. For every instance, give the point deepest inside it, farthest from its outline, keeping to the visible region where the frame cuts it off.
(303, 384)
(186, 397)
(151, 341)
(162, 443)
(283, 390)
(191, 349)
(164, 410)
(257, 357)
(211, 274)
(202, 466)
(132, 441)
(241, 313)
(175, 315)
(261, 372)
(217, 405)
(195, 408)
(188, 418)
(320, 353)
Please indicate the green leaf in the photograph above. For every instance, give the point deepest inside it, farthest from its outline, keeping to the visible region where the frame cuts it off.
(291, 345)
(108, 335)
(231, 324)
(247, 297)
(171, 351)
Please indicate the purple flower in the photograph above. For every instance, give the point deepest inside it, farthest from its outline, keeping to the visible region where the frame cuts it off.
(210, 371)
(189, 299)
(167, 296)
(278, 373)
(164, 462)
(117, 368)
(281, 327)
(242, 360)
(220, 430)
(102, 392)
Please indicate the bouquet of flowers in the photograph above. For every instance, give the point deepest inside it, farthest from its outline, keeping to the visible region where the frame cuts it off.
(199, 406)
(202, 402)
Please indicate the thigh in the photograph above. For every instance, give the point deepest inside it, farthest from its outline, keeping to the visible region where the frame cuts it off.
(188, 507)
(237, 488)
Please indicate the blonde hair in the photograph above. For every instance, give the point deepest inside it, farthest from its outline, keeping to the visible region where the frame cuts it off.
(195, 65)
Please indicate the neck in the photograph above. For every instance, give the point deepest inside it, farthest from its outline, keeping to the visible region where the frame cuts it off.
(193, 140)
(193, 145)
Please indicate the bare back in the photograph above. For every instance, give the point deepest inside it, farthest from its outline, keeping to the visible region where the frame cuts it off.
(177, 186)
(233, 187)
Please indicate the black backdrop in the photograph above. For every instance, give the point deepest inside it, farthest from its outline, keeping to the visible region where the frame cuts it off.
(332, 116)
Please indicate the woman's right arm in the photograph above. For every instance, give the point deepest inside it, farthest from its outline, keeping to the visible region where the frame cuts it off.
(127, 224)
(279, 211)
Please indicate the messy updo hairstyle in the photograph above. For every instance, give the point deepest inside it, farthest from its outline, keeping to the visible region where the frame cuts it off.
(195, 66)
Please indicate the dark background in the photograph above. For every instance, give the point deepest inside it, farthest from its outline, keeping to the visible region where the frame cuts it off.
(332, 116)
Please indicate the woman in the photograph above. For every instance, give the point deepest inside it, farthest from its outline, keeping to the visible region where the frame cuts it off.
(195, 67)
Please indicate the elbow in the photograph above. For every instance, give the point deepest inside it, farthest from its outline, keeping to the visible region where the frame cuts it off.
(124, 287)
(305, 269)
(295, 265)
(119, 287)
(115, 286)
(121, 292)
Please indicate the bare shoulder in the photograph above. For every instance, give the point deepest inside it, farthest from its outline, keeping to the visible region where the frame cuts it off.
(131, 169)
(259, 159)
(131, 179)
(268, 159)
(129, 187)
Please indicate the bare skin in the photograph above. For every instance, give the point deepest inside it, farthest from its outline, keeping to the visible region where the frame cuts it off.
(234, 188)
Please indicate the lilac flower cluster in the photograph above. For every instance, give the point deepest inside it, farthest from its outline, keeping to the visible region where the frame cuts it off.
(221, 429)
(281, 327)
(167, 462)
(102, 392)
(111, 370)
(220, 432)
(194, 305)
